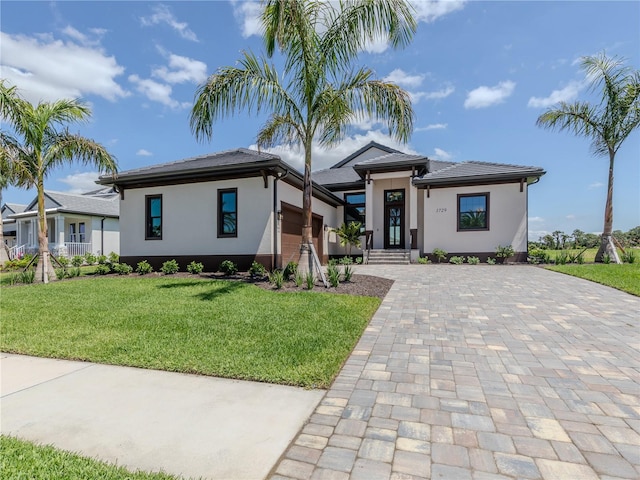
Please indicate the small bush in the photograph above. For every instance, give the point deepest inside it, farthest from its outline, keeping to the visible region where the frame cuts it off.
(143, 268)
(538, 255)
(228, 267)
(456, 260)
(90, 258)
(102, 269)
(491, 261)
(423, 260)
(73, 272)
(473, 260)
(310, 280)
(28, 276)
(257, 270)
(606, 258)
(77, 261)
(61, 273)
(348, 273)
(298, 279)
(333, 272)
(170, 267)
(122, 268)
(276, 278)
(440, 254)
(562, 258)
(504, 251)
(64, 262)
(113, 257)
(195, 267)
(102, 259)
(346, 261)
(359, 260)
(629, 256)
(290, 270)
(12, 278)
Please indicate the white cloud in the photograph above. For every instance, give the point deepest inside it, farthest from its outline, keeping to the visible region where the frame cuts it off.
(430, 10)
(571, 216)
(325, 158)
(433, 126)
(566, 94)
(484, 96)
(162, 14)
(182, 69)
(81, 182)
(46, 69)
(439, 154)
(156, 92)
(248, 13)
(84, 39)
(595, 185)
(402, 78)
(144, 153)
(536, 219)
(436, 95)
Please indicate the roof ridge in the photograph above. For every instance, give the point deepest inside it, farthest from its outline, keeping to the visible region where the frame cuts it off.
(478, 162)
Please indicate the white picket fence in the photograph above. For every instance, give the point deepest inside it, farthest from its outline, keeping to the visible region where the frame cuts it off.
(67, 249)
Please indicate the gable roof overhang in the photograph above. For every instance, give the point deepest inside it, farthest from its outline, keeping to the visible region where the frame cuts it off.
(360, 151)
(530, 178)
(52, 211)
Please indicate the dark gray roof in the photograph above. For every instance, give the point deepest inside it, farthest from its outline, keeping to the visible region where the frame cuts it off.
(76, 203)
(336, 176)
(395, 160)
(14, 207)
(213, 161)
(359, 152)
(472, 171)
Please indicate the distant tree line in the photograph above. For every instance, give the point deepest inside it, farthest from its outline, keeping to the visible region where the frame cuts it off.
(560, 240)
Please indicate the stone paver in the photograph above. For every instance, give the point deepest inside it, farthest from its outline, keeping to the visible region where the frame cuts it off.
(483, 373)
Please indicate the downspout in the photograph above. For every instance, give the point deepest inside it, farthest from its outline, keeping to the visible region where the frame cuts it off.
(102, 235)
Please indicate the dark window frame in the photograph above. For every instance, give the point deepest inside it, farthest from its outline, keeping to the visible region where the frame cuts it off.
(82, 232)
(356, 205)
(148, 228)
(221, 232)
(486, 227)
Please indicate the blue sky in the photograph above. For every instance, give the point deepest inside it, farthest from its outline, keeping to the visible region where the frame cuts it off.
(479, 73)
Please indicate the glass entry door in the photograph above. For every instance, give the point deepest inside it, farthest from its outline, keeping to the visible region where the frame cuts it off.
(394, 218)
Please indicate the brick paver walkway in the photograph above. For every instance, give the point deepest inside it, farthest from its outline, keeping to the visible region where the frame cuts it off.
(483, 373)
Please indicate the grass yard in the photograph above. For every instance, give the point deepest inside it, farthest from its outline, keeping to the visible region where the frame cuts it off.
(625, 277)
(211, 327)
(25, 460)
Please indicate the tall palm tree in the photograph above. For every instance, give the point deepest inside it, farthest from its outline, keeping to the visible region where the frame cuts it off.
(40, 142)
(318, 93)
(607, 124)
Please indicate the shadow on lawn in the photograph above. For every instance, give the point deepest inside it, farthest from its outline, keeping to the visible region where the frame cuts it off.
(216, 289)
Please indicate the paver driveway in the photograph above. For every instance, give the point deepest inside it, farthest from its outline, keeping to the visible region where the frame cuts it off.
(484, 373)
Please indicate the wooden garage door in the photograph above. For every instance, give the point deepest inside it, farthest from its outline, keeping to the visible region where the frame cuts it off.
(292, 233)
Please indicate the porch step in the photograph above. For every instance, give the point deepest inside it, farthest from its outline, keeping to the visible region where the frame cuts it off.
(389, 257)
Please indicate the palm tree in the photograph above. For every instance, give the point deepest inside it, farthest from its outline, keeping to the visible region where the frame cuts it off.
(41, 143)
(350, 235)
(319, 93)
(607, 124)
(5, 181)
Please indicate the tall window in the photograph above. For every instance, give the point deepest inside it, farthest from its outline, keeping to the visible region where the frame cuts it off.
(153, 217)
(228, 212)
(82, 238)
(354, 210)
(473, 212)
(72, 232)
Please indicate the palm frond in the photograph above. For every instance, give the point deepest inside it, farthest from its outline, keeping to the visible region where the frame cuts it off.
(279, 129)
(65, 147)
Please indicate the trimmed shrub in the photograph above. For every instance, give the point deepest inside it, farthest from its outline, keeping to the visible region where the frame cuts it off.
(170, 267)
(64, 261)
(77, 261)
(61, 273)
(423, 260)
(122, 268)
(143, 268)
(473, 260)
(346, 261)
(290, 270)
(456, 260)
(504, 251)
(228, 267)
(90, 258)
(102, 259)
(114, 257)
(491, 261)
(359, 260)
(195, 267)
(440, 254)
(102, 269)
(257, 270)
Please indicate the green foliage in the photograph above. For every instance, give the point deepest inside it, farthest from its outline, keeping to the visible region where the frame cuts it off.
(113, 257)
(562, 258)
(505, 251)
(629, 256)
(310, 280)
(290, 269)
(346, 261)
(122, 268)
(170, 267)
(333, 261)
(276, 278)
(77, 261)
(61, 273)
(102, 259)
(473, 260)
(257, 270)
(423, 260)
(195, 267)
(18, 263)
(538, 255)
(606, 259)
(333, 273)
(102, 269)
(298, 278)
(491, 261)
(11, 279)
(456, 260)
(440, 254)
(90, 258)
(64, 261)
(143, 268)
(73, 272)
(28, 276)
(228, 267)
(359, 260)
(349, 235)
(348, 273)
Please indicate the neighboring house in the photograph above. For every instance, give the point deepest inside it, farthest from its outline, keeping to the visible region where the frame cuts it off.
(77, 224)
(245, 205)
(9, 224)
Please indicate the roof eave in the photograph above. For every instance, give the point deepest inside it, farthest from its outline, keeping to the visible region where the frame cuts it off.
(478, 179)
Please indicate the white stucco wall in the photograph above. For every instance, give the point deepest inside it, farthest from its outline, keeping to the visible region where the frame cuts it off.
(189, 220)
(111, 236)
(507, 220)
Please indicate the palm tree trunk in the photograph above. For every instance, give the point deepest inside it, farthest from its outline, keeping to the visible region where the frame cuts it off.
(43, 268)
(606, 245)
(305, 262)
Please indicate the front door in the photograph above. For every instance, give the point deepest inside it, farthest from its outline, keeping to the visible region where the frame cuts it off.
(394, 218)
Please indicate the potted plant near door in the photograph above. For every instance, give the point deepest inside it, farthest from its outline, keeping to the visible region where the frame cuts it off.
(504, 252)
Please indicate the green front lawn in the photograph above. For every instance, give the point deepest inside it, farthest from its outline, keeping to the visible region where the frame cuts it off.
(625, 277)
(211, 327)
(25, 460)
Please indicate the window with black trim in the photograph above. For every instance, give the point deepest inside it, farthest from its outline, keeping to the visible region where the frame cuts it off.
(82, 235)
(228, 212)
(153, 229)
(354, 210)
(473, 212)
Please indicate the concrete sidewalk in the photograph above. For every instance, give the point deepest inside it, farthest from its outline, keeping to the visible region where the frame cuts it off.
(187, 425)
